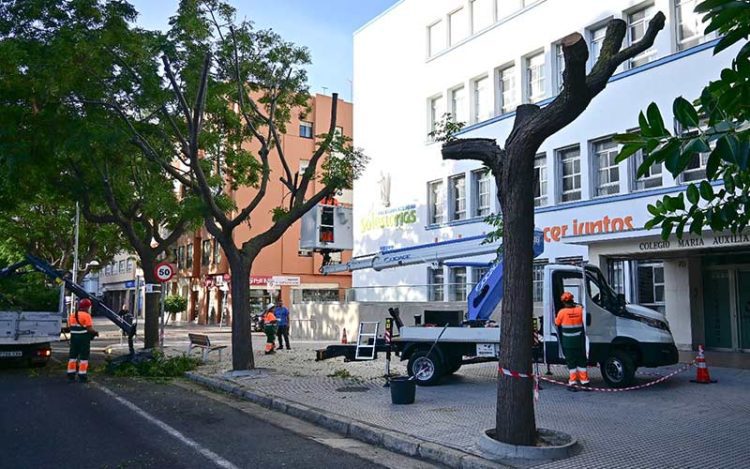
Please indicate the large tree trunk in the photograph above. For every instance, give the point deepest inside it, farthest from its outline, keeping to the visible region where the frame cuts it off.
(515, 423)
(152, 306)
(242, 347)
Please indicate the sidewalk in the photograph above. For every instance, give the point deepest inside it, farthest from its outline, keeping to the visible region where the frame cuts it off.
(672, 424)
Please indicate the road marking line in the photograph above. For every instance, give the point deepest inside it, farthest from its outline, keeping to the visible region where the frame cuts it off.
(213, 457)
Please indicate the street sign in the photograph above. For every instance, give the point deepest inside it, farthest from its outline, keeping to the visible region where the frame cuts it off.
(279, 280)
(152, 288)
(164, 271)
(130, 284)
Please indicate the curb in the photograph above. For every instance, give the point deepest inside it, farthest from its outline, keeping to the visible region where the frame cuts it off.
(389, 439)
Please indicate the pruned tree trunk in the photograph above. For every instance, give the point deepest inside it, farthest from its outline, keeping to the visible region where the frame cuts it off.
(513, 169)
(242, 347)
(151, 308)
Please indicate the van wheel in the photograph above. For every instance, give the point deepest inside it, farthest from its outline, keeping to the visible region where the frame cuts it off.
(426, 369)
(618, 370)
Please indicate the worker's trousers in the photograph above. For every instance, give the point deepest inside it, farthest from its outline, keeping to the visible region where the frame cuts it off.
(270, 331)
(78, 358)
(575, 357)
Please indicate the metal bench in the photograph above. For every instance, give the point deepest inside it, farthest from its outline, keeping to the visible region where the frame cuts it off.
(201, 341)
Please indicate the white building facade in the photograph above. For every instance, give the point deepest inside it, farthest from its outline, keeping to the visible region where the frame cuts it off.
(478, 60)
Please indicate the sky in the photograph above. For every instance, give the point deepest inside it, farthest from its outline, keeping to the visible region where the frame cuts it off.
(323, 26)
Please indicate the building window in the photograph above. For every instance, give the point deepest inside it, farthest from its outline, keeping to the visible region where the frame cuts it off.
(459, 109)
(217, 252)
(508, 7)
(436, 38)
(189, 256)
(121, 267)
(321, 295)
(459, 26)
(535, 77)
(696, 168)
(482, 14)
(538, 280)
(206, 252)
(306, 129)
(458, 197)
(540, 180)
(108, 269)
(458, 283)
(650, 180)
(436, 109)
(506, 82)
(616, 273)
(436, 202)
(559, 66)
(650, 283)
(637, 26)
(482, 195)
(689, 25)
(436, 287)
(181, 257)
(130, 265)
(570, 174)
(479, 273)
(596, 39)
(607, 171)
(481, 100)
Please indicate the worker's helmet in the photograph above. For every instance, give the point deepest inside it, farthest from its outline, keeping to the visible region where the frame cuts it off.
(566, 297)
(84, 303)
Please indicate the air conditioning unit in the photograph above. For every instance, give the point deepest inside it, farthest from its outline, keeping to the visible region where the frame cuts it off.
(327, 227)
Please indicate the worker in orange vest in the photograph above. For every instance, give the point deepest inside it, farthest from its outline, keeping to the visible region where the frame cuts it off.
(81, 333)
(269, 327)
(569, 321)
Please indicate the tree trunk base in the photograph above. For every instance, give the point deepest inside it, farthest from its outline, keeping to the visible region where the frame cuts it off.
(550, 445)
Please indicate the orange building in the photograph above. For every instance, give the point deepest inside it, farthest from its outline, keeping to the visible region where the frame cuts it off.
(203, 272)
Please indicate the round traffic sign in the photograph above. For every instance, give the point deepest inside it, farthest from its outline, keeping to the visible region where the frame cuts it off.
(164, 271)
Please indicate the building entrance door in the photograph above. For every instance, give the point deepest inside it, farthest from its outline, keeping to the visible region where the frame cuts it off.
(726, 308)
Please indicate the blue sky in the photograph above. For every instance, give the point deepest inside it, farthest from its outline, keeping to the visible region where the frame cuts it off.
(324, 26)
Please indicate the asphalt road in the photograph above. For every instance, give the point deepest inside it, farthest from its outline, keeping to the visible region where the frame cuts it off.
(47, 422)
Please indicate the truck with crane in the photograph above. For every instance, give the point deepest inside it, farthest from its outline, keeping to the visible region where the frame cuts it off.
(28, 335)
(620, 336)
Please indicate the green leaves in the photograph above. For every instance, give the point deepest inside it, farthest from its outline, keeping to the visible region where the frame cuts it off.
(685, 113)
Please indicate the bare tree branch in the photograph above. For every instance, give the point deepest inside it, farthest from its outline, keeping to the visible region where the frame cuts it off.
(176, 88)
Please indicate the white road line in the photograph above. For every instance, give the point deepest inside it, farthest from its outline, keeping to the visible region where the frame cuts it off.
(210, 455)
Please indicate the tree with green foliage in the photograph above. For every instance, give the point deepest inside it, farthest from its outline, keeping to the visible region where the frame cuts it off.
(233, 89)
(58, 62)
(717, 124)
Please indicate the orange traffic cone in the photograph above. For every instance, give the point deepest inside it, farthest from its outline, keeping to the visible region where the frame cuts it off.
(343, 337)
(701, 369)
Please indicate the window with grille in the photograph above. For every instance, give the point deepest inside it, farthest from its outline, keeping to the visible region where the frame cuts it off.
(459, 109)
(206, 252)
(650, 282)
(458, 283)
(436, 202)
(535, 77)
(616, 273)
(482, 194)
(540, 180)
(217, 252)
(689, 25)
(538, 280)
(458, 197)
(637, 25)
(181, 257)
(436, 281)
(506, 81)
(607, 174)
(570, 174)
(481, 100)
(189, 256)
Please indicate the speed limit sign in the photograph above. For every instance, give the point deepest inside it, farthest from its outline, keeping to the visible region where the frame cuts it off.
(164, 271)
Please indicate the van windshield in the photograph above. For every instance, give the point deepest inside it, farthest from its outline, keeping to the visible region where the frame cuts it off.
(599, 291)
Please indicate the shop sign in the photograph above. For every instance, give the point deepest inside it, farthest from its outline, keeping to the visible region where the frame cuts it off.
(279, 280)
(260, 280)
(689, 242)
(553, 234)
(390, 218)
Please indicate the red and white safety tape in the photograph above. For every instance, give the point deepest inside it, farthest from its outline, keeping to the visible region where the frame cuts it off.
(537, 377)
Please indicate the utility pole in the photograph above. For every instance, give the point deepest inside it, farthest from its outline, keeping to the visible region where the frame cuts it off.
(75, 252)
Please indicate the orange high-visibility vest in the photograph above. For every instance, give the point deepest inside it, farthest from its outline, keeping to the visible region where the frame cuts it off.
(571, 321)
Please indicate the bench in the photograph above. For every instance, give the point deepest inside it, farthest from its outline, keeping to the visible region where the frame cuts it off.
(201, 341)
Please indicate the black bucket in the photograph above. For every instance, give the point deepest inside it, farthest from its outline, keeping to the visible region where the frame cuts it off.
(402, 390)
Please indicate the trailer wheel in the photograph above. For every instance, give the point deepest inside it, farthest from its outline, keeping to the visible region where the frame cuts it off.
(618, 370)
(426, 369)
